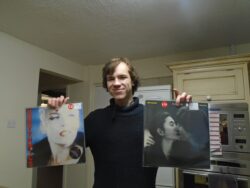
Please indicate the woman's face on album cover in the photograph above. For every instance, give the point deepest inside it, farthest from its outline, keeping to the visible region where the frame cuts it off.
(62, 128)
(170, 129)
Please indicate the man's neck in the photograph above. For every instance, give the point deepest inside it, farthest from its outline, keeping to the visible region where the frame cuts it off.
(124, 103)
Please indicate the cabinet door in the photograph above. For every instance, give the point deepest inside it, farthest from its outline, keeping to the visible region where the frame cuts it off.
(217, 83)
(165, 177)
(162, 92)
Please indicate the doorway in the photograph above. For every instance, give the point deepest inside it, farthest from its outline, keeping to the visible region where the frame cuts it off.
(50, 85)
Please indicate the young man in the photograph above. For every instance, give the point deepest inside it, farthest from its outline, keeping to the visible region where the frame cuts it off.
(115, 133)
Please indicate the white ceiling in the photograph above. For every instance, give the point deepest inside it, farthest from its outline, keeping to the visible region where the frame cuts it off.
(93, 31)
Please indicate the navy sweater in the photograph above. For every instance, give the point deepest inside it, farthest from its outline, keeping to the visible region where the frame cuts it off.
(115, 137)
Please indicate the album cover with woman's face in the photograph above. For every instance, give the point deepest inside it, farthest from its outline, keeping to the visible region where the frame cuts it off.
(55, 137)
(176, 136)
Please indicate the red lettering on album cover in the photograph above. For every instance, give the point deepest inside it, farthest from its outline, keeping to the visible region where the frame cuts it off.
(29, 139)
(29, 142)
(29, 128)
(29, 123)
(164, 104)
(70, 106)
(29, 146)
(29, 120)
(29, 133)
(30, 160)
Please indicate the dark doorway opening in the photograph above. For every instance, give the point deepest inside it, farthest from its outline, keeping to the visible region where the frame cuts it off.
(50, 85)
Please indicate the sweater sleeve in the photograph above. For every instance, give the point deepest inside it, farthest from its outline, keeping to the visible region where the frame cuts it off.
(87, 125)
(90, 125)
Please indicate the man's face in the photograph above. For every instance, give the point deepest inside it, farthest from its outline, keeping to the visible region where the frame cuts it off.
(119, 84)
(62, 127)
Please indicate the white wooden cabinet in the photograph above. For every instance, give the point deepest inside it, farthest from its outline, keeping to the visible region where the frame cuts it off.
(217, 79)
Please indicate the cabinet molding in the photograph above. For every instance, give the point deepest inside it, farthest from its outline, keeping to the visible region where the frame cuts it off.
(218, 79)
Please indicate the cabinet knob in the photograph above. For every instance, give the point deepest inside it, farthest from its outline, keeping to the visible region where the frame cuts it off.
(209, 98)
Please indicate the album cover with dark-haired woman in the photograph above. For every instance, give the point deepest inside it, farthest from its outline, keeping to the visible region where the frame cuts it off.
(176, 135)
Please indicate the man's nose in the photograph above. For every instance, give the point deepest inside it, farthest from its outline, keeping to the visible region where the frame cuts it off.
(116, 81)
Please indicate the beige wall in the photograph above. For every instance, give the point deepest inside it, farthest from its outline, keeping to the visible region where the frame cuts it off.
(156, 67)
(20, 63)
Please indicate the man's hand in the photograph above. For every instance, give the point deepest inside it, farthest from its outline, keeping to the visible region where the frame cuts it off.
(183, 97)
(57, 102)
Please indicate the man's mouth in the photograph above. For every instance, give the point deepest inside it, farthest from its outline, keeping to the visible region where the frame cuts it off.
(118, 90)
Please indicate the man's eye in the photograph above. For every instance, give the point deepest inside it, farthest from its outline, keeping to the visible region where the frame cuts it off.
(110, 78)
(122, 77)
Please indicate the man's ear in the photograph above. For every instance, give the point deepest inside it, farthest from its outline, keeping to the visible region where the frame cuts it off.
(160, 132)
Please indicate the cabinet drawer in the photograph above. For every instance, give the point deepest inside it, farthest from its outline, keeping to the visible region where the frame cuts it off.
(224, 84)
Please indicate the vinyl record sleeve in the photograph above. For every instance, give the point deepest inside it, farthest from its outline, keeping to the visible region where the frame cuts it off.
(55, 137)
(176, 136)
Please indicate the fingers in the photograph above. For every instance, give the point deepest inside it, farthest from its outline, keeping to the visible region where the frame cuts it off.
(57, 102)
(176, 93)
(149, 142)
(183, 97)
(189, 98)
(62, 100)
